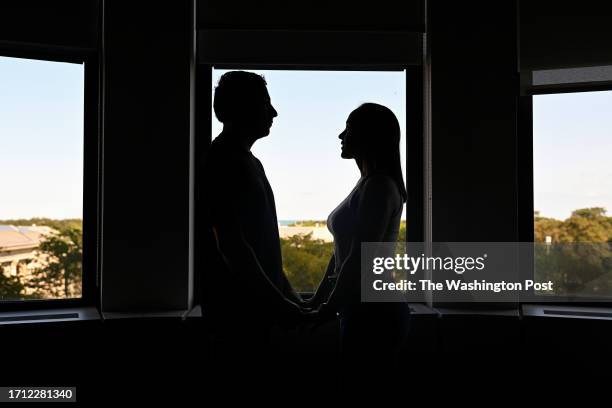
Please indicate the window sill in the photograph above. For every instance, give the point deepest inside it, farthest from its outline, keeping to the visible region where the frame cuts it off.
(420, 309)
(478, 312)
(181, 314)
(568, 312)
(49, 315)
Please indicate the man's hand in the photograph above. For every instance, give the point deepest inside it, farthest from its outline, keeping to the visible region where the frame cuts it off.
(322, 315)
(326, 312)
(308, 304)
(292, 315)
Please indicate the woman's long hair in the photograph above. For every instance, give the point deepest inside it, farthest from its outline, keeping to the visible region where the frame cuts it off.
(380, 140)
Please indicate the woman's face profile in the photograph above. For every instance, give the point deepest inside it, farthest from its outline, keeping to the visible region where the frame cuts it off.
(345, 145)
(350, 140)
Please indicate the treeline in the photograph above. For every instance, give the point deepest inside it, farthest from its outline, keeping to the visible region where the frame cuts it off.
(305, 259)
(68, 223)
(577, 258)
(308, 223)
(584, 225)
(575, 269)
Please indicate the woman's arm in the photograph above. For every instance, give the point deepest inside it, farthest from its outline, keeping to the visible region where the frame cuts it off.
(377, 204)
(325, 287)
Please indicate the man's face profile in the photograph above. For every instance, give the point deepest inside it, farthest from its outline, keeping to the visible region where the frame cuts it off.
(262, 114)
(243, 104)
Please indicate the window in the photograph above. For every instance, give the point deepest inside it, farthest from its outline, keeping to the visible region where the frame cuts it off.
(301, 156)
(572, 185)
(42, 178)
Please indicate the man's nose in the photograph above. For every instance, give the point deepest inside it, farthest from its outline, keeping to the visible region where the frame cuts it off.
(341, 135)
(274, 112)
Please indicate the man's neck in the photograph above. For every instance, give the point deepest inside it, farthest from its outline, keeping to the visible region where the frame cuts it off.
(237, 137)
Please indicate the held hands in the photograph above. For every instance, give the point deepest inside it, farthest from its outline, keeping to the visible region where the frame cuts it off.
(307, 313)
(323, 313)
(294, 315)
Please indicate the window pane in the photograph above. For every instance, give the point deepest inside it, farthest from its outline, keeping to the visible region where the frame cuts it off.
(573, 191)
(41, 174)
(301, 156)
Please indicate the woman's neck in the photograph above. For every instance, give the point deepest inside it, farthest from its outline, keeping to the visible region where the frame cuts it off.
(366, 167)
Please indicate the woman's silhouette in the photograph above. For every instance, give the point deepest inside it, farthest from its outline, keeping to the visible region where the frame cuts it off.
(371, 332)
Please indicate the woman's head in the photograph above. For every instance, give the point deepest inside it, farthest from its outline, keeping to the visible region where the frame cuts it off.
(372, 137)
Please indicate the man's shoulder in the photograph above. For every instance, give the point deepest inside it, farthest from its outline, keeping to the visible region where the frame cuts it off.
(220, 147)
(220, 155)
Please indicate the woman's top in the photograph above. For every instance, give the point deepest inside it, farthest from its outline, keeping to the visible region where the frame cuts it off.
(343, 220)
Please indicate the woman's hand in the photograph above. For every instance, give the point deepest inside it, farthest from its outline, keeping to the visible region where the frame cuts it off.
(292, 315)
(323, 314)
(326, 312)
(309, 303)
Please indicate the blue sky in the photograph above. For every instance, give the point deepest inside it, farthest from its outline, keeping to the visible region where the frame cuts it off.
(572, 139)
(41, 139)
(301, 155)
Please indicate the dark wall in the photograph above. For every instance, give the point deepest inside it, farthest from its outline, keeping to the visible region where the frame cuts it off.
(147, 128)
(170, 359)
(64, 23)
(474, 84)
(407, 15)
(563, 33)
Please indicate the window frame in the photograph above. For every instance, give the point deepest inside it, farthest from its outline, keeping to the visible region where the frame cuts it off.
(525, 174)
(92, 172)
(413, 156)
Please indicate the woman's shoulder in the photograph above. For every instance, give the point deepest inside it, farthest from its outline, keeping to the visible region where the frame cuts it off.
(381, 183)
(380, 188)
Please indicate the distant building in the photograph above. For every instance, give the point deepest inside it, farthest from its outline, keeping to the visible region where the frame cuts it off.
(18, 249)
(318, 232)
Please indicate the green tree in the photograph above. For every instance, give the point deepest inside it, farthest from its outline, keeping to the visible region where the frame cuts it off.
(587, 225)
(550, 227)
(401, 237)
(10, 287)
(305, 261)
(578, 259)
(61, 276)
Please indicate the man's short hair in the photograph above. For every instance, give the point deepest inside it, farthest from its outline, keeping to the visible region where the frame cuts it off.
(235, 92)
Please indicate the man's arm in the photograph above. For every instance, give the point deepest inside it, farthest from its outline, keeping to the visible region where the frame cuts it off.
(242, 261)
(225, 178)
(289, 291)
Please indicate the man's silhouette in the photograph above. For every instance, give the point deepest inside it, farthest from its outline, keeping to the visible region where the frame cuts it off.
(247, 292)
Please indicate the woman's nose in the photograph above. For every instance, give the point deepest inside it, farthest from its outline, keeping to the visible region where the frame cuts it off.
(341, 135)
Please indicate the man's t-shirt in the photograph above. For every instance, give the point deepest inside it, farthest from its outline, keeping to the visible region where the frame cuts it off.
(236, 186)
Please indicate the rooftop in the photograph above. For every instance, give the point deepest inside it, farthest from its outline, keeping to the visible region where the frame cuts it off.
(21, 237)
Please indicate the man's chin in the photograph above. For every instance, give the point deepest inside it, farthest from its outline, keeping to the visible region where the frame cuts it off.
(263, 133)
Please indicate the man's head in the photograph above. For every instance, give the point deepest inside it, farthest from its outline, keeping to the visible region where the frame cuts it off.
(243, 104)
